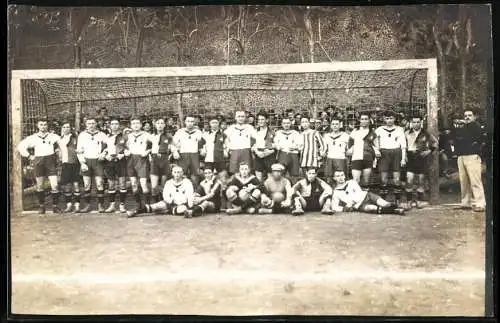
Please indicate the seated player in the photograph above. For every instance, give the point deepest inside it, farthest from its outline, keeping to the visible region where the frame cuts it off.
(312, 194)
(243, 191)
(349, 196)
(178, 196)
(276, 192)
(207, 198)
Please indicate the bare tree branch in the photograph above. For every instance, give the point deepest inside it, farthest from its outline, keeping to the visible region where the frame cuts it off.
(468, 29)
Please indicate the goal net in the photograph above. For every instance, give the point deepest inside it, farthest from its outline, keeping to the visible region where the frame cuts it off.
(401, 85)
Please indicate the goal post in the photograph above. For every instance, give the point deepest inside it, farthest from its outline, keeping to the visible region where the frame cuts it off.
(238, 72)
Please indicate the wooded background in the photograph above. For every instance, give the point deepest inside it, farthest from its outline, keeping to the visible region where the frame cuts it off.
(80, 37)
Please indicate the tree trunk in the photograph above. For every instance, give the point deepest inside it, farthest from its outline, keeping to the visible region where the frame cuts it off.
(310, 38)
(138, 56)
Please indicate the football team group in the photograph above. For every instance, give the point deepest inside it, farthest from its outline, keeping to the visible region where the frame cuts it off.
(239, 169)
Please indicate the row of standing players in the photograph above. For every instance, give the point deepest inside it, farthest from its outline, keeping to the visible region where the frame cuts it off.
(117, 157)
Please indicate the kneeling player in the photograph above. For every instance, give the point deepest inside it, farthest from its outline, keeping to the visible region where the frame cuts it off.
(207, 198)
(349, 196)
(243, 191)
(312, 194)
(276, 192)
(177, 197)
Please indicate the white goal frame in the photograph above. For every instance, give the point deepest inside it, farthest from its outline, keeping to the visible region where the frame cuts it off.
(16, 115)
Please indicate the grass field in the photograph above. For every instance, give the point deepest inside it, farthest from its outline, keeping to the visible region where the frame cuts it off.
(430, 262)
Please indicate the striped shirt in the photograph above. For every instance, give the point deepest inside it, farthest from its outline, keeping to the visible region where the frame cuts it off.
(240, 136)
(138, 143)
(288, 141)
(91, 144)
(42, 144)
(188, 141)
(67, 147)
(336, 145)
(312, 149)
(391, 137)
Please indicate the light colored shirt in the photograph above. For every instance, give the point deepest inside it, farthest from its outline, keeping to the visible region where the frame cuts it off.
(391, 138)
(260, 138)
(91, 145)
(178, 193)
(289, 141)
(240, 136)
(137, 142)
(349, 193)
(43, 144)
(336, 145)
(186, 141)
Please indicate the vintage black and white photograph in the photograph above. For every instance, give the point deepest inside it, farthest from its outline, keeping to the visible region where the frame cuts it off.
(250, 160)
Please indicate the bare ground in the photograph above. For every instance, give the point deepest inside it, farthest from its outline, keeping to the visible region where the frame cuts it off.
(427, 263)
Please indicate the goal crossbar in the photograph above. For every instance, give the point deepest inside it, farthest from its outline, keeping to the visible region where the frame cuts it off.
(430, 65)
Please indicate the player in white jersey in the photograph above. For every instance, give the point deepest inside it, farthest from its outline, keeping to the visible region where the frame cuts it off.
(137, 149)
(277, 192)
(160, 159)
(243, 191)
(207, 198)
(91, 154)
(349, 196)
(116, 166)
(240, 138)
(70, 169)
(43, 145)
(288, 144)
(314, 148)
(363, 149)
(312, 194)
(264, 153)
(178, 194)
(187, 143)
(392, 147)
(336, 143)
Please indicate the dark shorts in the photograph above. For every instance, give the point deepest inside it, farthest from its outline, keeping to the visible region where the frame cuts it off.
(70, 173)
(333, 165)
(390, 160)
(277, 208)
(416, 163)
(238, 156)
(190, 163)
(312, 204)
(45, 166)
(370, 199)
(137, 166)
(216, 166)
(290, 161)
(264, 164)
(115, 169)
(160, 165)
(366, 163)
(95, 168)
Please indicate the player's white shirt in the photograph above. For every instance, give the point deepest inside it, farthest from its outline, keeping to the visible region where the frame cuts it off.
(43, 145)
(240, 136)
(260, 137)
(137, 142)
(187, 141)
(391, 137)
(336, 144)
(91, 145)
(178, 193)
(209, 138)
(350, 193)
(289, 141)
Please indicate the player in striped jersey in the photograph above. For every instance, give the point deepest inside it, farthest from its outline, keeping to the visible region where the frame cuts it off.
(90, 149)
(207, 198)
(392, 147)
(44, 145)
(288, 143)
(349, 196)
(137, 149)
(160, 159)
(363, 149)
(187, 143)
(70, 169)
(178, 196)
(313, 148)
(336, 146)
(312, 194)
(240, 138)
(243, 191)
(116, 166)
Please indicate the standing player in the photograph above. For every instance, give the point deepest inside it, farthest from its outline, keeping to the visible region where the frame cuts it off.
(70, 169)
(420, 145)
(349, 196)
(44, 161)
(215, 149)
(178, 196)
(263, 150)
(276, 192)
(187, 143)
(363, 149)
(243, 191)
(392, 147)
(116, 166)
(336, 143)
(207, 198)
(313, 149)
(137, 150)
(288, 143)
(312, 194)
(91, 147)
(160, 159)
(240, 138)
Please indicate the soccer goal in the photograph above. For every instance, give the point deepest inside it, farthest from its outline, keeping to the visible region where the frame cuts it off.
(66, 93)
